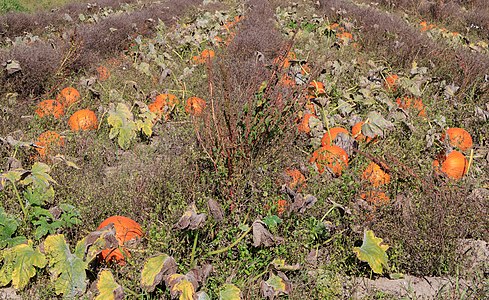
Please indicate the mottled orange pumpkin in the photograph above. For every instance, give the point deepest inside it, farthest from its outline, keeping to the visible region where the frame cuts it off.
(206, 54)
(375, 175)
(163, 103)
(344, 37)
(84, 119)
(103, 73)
(281, 206)
(126, 230)
(298, 180)
(356, 132)
(331, 135)
(459, 137)
(391, 82)
(195, 106)
(68, 96)
(332, 157)
(50, 107)
(454, 165)
(409, 102)
(51, 142)
(376, 198)
(316, 89)
(304, 124)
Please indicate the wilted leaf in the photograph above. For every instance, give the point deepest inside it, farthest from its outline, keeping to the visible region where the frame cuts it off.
(372, 252)
(12, 66)
(155, 269)
(66, 161)
(280, 265)
(68, 271)
(229, 292)
(301, 203)
(203, 296)
(450, 90)
(261, 236)
(376, 126)
(215, 210)
(107, 287)
(275, 286)
(201, 273)
(181, 285)
(190, 219)
(96, 241)
(18, 265)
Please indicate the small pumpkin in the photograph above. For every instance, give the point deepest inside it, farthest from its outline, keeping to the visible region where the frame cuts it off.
(195, 106)
(409, 102)
(330, 136)
(454, 165)
(127, 230)
(316, 89)
(356, 132)
(204, 56)
(84, 119)
(49, 107)
(163, 103)
(376, 198)
(298, 180)
(391, 82)
(68, 96)
(459, 138)
(375, 175)
(304, 124)
(50, 141)
(332, 157)
(103, 73)
(344, 37)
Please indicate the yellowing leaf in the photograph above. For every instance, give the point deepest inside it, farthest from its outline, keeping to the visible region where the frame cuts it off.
(275, 285)
(108, 288)
(68, 271)
(229, 292)
(123, 126)
(180, 285)
(372, 252)
(19, 264)
(154, 269)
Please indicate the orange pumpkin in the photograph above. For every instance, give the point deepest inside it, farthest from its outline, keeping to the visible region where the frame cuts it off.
(126, 230)
(195, 106)
(454, 166)
(356, 132)
(51, 142)
(344, 37)
(377, 198)
(286, 81)
(281, 206)
(375, 175)
(161, 102)
(50, 107)
(84, 119)
(204, 56)
(331, 135)
(458, 137)
(297, 179)
(304, 124)
(408, 102)
(391, 82)
(68, 96)
(331, 157)
(316, 89)
(103, 73)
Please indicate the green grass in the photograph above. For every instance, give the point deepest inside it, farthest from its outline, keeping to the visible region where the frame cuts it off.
(29, 5)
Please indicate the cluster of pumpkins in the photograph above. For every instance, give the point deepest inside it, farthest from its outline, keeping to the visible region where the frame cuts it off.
(50, 141)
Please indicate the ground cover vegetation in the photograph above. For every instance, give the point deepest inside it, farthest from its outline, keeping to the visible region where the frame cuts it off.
(244, 149)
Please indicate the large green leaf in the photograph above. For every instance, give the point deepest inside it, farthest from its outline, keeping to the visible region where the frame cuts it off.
(155, 269)
(19, 264)
(373, 252)
(39, 176)
(107, 287)
(68, 271)
(123, 126)
(229, 292)
(8, 226)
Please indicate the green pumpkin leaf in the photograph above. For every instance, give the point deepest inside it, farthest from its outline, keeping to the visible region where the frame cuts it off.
(229, 292)
(107, 287)
(8, 226)
(68, 271)
(155, 269)
(19, 264)
(39, 176)
(373, 252)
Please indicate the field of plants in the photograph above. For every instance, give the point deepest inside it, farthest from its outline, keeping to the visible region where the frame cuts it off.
(260, 149)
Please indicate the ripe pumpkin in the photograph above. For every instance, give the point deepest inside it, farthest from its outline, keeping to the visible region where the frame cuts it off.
(377, 198)
(304, 124)
(298, 180)
(458, 137)
(375, 175)
(49, 107)
(316, 88)
(103, 73)
(331, 135)
(202, 58)
(51, 142)
(331, 157)
(356, 132)
(163, 103)
(84, 119)
(126, 230)
(68, 96)
(195, 106)
(281, 206)
(344, 37)
(391, 82)
(416, 103)
(454, 165)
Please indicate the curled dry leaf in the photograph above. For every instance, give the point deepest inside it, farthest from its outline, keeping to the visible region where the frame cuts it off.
(156, 269)
(301, 203)
(261, 236)
(107, 287)
(280, 265)
(181, 286)
(275, 286)
(190, 219)
(215, 210)
(201, 273)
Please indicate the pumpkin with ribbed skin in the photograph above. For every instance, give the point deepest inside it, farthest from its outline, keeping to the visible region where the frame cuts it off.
(50, 107)
(316, 88)
(68, 96)
(50, 141)
(332, 157)
(331, 135)
(459, 138)
(84, 119)
(375, 175)
(195, 106)
(454, 165)
(126, 230)
(408, 103)
(391, 82)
